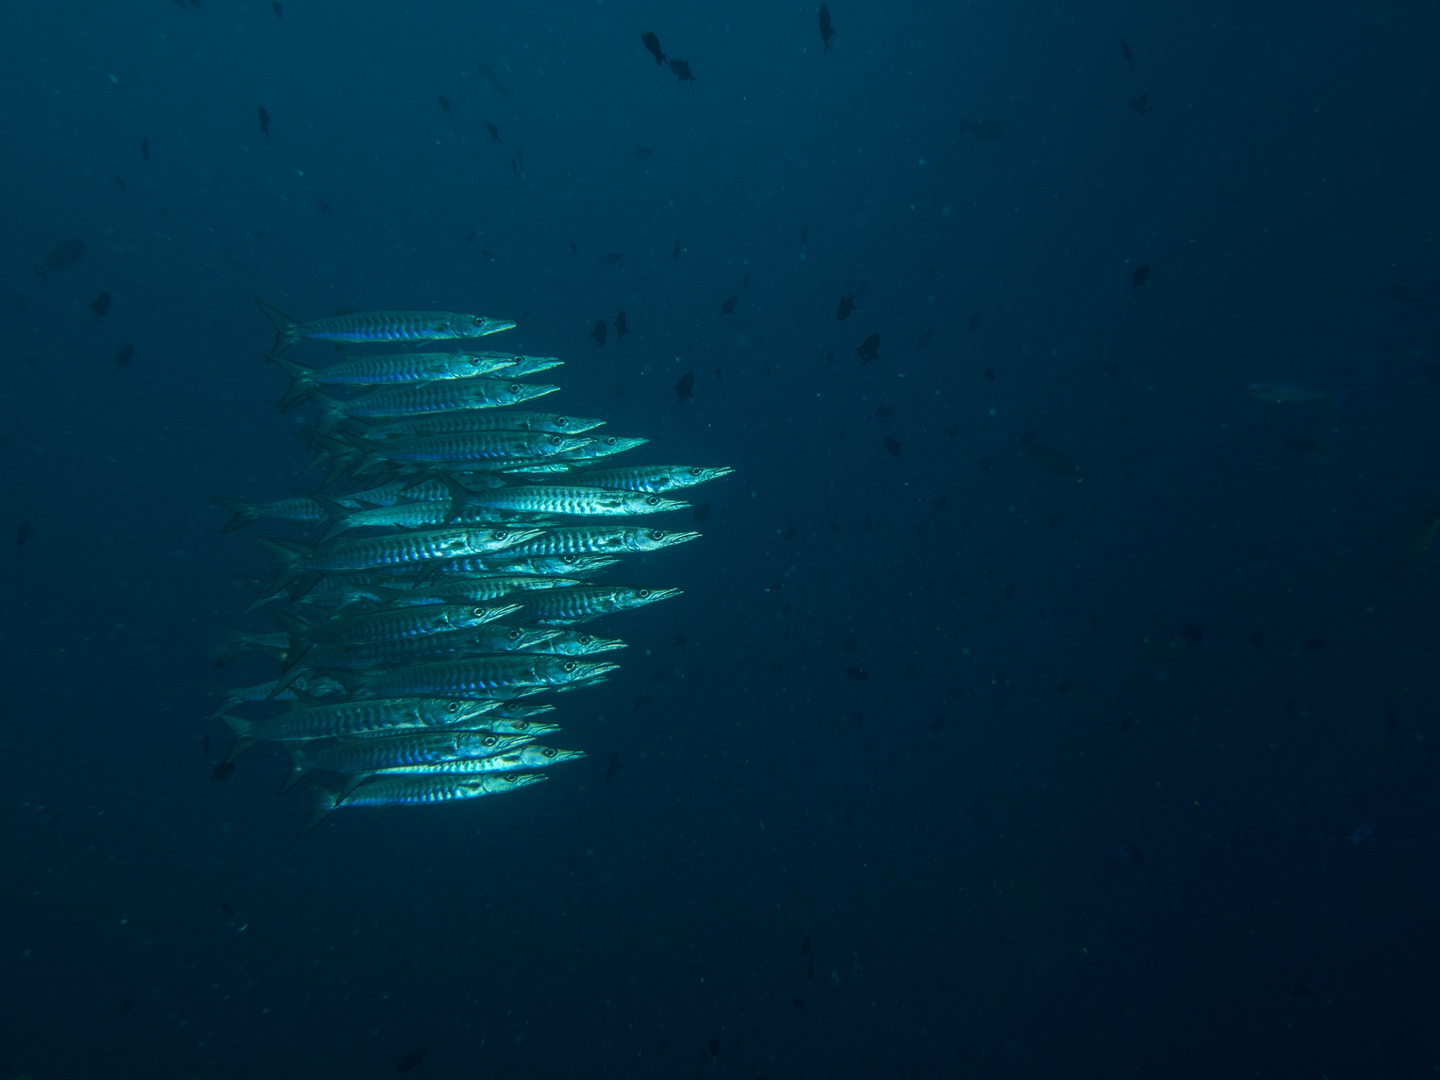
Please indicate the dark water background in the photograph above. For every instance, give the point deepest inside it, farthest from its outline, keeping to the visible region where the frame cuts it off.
(1045, 834)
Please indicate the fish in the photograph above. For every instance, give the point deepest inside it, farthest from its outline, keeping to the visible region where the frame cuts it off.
(315, 720)
(122, 358)
(61, 257)
(681, 68)
(485, 678)
(1142, 105)
(1286, 390)
(652, 44)
(407, 751)
(1125, 51)
(1053, 460)
(379, 326)
(845, 307)
(489, 76)
(1404, 295)
(621, 327)
(494, 132)
(574, 501)
(892, 446)
(984, 130)
(412, 791)
(826, 30)
(869, 349)
(1140, 275)
(558, 607)
(727, 307)
(389, 370)
(805, 232)
(599, 539)
(600, 333)
(426, 399)
(279, 11)
(685, 388)
(642, 151)
(100, 305)
(23, 534)
(1302, 444)
(400, 550)
(529, 756)
(611, 258)
(264, 122)
(675, 254)
(480, 420)
(145, 148)
(656, 479)
(444, 102)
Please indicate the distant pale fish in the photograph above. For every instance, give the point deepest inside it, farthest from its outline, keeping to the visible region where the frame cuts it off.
(1283, 390)
(379, 326)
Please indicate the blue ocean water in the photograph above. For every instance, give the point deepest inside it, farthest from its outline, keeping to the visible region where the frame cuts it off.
(1040, 701)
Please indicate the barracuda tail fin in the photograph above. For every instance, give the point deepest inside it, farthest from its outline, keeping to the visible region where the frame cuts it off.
(459, 495)
(244, 513)
(332, 412)
(296, 751)
(324, 800)
(286, 329)
(302, 380)
(239, 645)
(300, 646)
(339, 516)
(289, 555)
(243, 737)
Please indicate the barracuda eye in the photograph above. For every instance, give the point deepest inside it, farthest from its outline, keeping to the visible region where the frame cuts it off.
(657, 534)
(696, 471)
(453, 707)
(514, 635)
(562, 421)
(555, 440)
(489, 740)
(652, 500)
(549, 752)
(610, 440)
(521, 725)
(569, 666)
(510, 779)
(477, 612)
(585, 639)
(643, 594)
(501, 534)
(514, 388)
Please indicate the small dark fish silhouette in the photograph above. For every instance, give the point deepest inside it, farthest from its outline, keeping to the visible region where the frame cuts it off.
(826, 30)
(1258, 638)
(681, 68)
(989, 374)
(145, 148)
(1404, 295)
(23, 534)
(279, 11)
(1029, 436)
(62, 256)
(652, 43)
(119, 182)
(869, 349)
(985, 130)
(1113, 370)
(444, 102)
(409, 1061)
(884, 412)
(1298, 990)
(574, 248)
(685, 388)
(600, 333)
(611, 258)
(621, 327)
(845, 307)
(264, 122)
(1141, 275)
(676, 253)
(222, 771)
(893, 446)
(1052, 459)
(829, 357)
(324, 206)
(1301, 444)
(643, 151)
(489, 76)
(129, 1003)
(122, 358)
(701, 512)
(1142, 105)
(488, 254)
(613, 767)
(745, 281)
(100, 305)
(1193, 635)
(493, 130)
(804, 232)
(974, 320)
(1125, 49)
(727, 307)
(925, 339)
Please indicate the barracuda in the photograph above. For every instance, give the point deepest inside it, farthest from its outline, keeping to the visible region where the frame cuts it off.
(311, 685)
(388, 370)
(478, 677)
(560, 565)
(436, 397)
(403, 550)
(367, 326)
(596, 539)
(477, 446)
(360, 756)
(353, 718)
(415, 791)
(393, 624)
(463, 644)
(587, 602)
(526, 757)
(655, 479)
(487, 420)
(577, 501)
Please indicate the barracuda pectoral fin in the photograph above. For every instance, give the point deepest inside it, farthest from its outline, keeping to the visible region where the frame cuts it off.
(323, 801)
(287, 330)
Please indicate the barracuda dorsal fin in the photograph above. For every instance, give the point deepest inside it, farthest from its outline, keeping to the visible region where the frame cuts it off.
(324, 800)
(287, 331)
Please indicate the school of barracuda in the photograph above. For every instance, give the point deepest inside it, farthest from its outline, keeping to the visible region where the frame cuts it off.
(451, 585)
